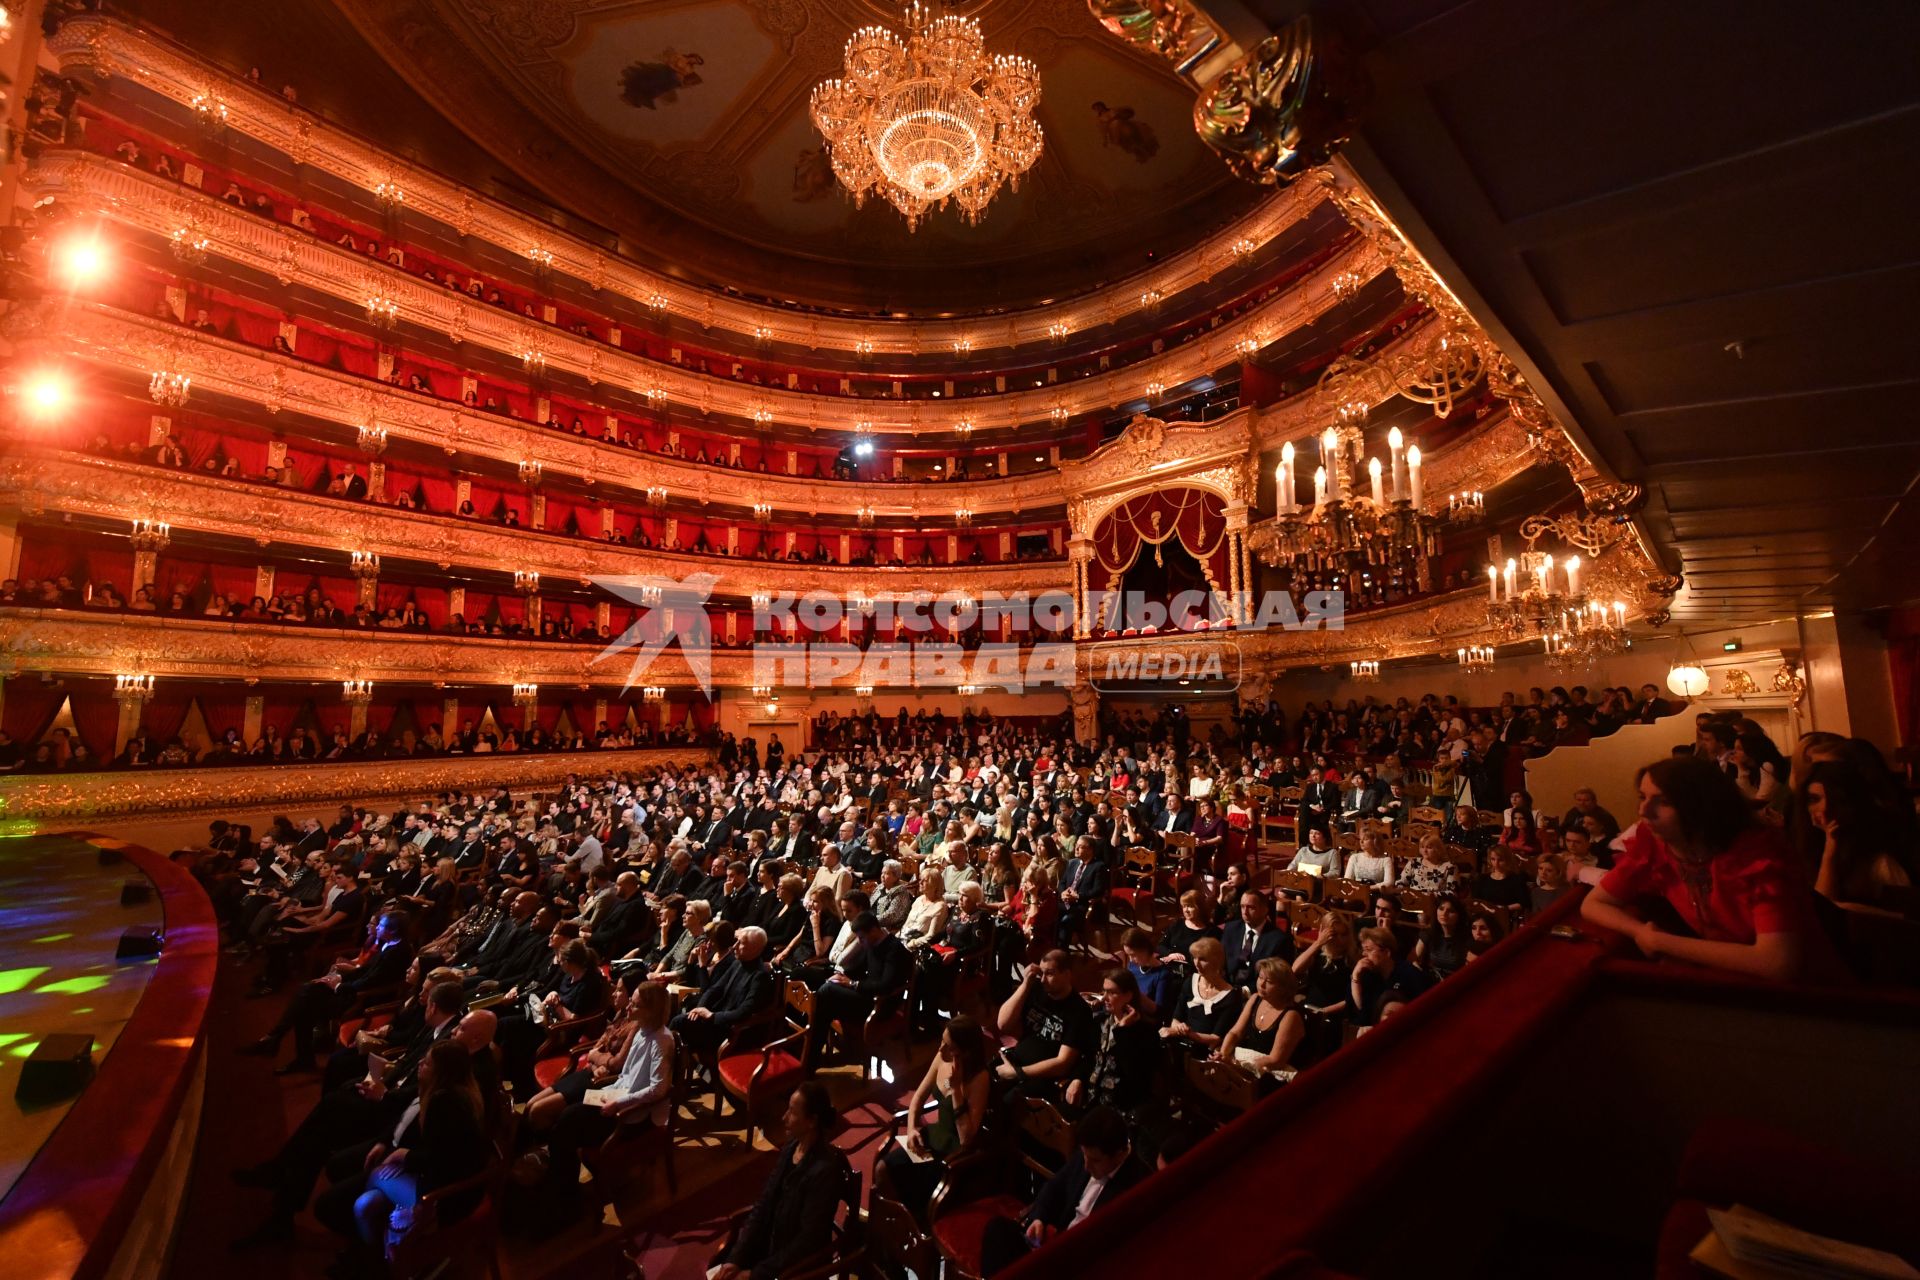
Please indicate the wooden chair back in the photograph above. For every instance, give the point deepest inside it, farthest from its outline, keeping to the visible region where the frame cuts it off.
(1304, 917)
(1297, 884)
(1347, 895)
(1225, 1088)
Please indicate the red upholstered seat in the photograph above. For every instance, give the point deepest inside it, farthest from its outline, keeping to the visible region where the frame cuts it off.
(349, 1029)
(1685, 1224)
(549, 1070)
(958, 1229)
(736, 1071)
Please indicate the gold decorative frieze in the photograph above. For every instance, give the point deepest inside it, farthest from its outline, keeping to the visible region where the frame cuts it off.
(54, 480)
(104, 47)
(42, 802)
(147, 202)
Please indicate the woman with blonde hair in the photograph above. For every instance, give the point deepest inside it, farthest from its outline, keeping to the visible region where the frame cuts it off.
(1269, 1029)
(1212, 1003)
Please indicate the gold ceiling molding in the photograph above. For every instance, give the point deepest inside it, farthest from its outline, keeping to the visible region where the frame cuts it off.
(105, 47)
(80, 484)
(149, 203)
(38, 802)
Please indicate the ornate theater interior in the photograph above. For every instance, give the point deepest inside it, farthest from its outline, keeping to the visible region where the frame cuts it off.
(1109, 636)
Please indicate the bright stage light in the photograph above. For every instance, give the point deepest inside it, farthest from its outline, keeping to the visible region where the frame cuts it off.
(81, 259)
(45, 392)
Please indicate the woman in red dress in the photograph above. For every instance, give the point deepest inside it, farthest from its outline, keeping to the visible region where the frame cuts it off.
(1700, 861)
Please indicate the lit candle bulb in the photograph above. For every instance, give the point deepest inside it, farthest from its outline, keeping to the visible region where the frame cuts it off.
(1543, 576)
(1619, 613)
(1413, 476)
(1288, 502)
(1512, 568)
(1330, 461)
(1493, 584)
(1373, 474)
(1573, 575)
(1396, 445)
(1319, 486)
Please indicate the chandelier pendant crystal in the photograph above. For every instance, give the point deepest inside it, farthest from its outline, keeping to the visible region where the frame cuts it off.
(930, 118)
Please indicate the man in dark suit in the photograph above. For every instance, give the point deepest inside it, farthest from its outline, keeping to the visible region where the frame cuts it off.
(793, 1219)
(1083, 887)
(1176, 818)
(871, 979)
(740, 991)
(385, 964)
(681, 877)
(623, 921)
(1319, 802)
(1100, 1169)
(1253, 937)
(362, 1112)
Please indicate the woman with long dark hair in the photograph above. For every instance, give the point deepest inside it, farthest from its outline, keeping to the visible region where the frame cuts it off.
(1723, 892)
(1866, 855)
(956, 1086)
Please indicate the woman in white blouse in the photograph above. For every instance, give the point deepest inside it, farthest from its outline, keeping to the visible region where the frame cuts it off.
(927, 917)
(1372, 864)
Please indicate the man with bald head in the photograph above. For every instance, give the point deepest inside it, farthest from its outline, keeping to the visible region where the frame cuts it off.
(499, 943)
(625, 921)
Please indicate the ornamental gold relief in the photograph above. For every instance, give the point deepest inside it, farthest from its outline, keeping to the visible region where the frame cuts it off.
(34, 803)
(138, 199)
(105, 47)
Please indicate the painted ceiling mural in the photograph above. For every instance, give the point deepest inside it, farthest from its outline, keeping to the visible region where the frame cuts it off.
(699, 109)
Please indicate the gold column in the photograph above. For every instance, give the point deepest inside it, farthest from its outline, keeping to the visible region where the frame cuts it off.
(10, 545)
(255, 721)
(366, 568)
(19, 56)
(449, 718)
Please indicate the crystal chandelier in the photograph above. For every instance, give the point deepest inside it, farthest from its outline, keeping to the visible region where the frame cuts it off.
(930, 118)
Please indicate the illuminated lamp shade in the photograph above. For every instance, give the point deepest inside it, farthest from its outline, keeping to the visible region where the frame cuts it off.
(1688, 680)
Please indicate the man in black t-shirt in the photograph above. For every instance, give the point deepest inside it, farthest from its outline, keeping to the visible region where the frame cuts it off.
(1056, 1026)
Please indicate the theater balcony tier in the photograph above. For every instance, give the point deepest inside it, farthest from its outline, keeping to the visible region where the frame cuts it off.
(44, 802)
(98, 47)
(49, 481)
(43, 479)
(144, 202)
(56, 642)
(291, 389)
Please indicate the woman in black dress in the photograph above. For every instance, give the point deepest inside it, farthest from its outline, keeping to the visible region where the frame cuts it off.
(1211, 1004)
(1270, 1029)
(1443, 943)
(1126, 1052)
(1177, 945)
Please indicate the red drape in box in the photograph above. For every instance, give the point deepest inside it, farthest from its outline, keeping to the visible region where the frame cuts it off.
(30, 709)
(1196, 517)
(95, 714)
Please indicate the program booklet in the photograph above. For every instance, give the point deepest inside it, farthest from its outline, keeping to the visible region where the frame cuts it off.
(1759, 1246)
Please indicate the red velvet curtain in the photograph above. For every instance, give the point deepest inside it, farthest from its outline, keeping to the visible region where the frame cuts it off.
(1196, 517)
